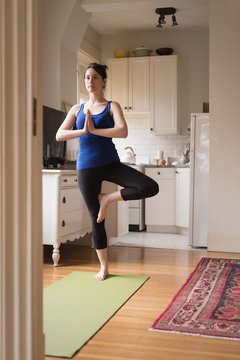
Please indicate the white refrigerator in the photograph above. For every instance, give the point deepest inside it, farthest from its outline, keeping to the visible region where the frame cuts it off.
(199, 180)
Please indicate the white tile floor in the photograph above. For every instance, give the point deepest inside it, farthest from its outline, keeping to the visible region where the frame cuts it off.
(152, 240)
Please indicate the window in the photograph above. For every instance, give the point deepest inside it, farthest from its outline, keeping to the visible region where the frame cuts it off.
(82, 61)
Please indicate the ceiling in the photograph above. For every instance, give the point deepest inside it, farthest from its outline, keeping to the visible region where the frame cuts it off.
(122, 16)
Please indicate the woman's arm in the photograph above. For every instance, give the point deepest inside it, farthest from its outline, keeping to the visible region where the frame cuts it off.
(65, 131)
(119, 130)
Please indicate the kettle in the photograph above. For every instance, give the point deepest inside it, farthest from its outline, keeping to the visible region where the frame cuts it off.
(185, 155)
(130, 156)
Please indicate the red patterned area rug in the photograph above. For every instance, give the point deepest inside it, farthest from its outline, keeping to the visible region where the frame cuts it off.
(208, 304)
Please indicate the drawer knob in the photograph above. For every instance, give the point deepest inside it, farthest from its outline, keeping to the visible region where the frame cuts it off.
(64, 200)
(63, 223)
(159, 173)
(64, 180)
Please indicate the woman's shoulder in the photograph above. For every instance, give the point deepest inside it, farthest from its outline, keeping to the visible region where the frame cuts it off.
(114, 104)
(116, 109)
(75, 109)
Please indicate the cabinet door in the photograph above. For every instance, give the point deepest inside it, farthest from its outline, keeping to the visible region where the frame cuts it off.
(182, 197)
(117, 84)
(128, 83)
(138, 90)
(163, 94)
(117, 217)
(122, 217)
(161, 209)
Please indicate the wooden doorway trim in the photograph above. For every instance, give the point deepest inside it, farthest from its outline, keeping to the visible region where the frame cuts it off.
(21, 330)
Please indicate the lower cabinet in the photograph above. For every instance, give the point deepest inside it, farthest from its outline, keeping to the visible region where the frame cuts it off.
(169, 209)
(116, 222)
(65, 216)
(161, 209)
(182, 197)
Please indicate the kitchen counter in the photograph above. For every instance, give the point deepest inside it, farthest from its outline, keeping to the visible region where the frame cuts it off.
(167, 166)
(144, 166)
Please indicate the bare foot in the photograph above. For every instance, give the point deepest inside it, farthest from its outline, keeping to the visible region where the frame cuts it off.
(104, 201)
(103, 273)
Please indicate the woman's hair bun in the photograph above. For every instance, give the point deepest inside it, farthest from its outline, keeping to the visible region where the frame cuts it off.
(101, 69)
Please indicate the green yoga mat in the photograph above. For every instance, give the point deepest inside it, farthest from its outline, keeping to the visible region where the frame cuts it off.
(77, 306)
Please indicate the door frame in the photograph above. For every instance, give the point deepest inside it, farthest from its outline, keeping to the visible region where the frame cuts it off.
(21, 324)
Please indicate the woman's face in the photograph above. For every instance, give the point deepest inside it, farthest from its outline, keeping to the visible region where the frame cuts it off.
(93, 81)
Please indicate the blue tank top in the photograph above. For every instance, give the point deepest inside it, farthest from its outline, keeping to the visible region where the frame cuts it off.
(96, 150)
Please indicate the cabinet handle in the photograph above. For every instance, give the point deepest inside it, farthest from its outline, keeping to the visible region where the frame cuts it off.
(130, 108)
(125, 107)
(151, 129)
(159, 173)
(176, 172)
(63, 223)
(64, 180)
(75, 180)
(64, 200)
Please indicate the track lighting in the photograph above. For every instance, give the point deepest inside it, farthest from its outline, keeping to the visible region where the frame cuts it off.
(163, 12)
(174, 21)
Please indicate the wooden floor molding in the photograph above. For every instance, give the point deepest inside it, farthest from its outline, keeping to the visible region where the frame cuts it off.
(126, 335)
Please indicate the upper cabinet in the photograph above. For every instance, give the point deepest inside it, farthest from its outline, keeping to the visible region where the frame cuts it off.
(147, 85)
(128, 83)
(163, 94)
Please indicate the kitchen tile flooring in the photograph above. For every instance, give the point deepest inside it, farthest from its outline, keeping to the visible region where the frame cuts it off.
(152, 240)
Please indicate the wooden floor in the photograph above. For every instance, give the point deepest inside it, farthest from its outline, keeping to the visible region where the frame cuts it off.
(126, 335)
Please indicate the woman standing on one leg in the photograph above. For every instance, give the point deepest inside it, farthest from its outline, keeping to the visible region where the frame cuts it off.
(95, 123)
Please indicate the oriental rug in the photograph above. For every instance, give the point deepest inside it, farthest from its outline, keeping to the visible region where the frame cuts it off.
(208, 304)
(77, 306)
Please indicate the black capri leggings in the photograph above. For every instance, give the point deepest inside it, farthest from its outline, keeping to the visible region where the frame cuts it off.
(136, 185)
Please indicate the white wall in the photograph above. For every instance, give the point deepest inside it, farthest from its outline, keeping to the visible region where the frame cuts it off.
(224, 227)
(65, 23)
(90, 44)
(192, 47)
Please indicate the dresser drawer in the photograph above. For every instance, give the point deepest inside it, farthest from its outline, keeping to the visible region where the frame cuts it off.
(71, 221)
(71, 199)
(160, 173)
(69, 181)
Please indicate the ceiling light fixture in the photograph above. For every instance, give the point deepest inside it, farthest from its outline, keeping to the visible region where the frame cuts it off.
(163, 12)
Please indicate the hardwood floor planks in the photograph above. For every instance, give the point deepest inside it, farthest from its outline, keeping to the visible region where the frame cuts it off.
(126, 334)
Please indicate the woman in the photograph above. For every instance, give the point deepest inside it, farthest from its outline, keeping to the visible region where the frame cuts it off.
(96, 122)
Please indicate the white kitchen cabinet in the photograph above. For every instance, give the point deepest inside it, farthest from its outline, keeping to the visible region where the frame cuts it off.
(163, 94)
(128, 83)
(182, 197)
(116, 222)
(65, 216)
(160, 210)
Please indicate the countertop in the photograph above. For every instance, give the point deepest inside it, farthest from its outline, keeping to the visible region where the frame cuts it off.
(167, 166)
(144, 166)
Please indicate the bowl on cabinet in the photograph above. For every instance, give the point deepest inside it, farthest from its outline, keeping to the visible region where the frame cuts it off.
(141, 51)
(164, 51)
(121, 53)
